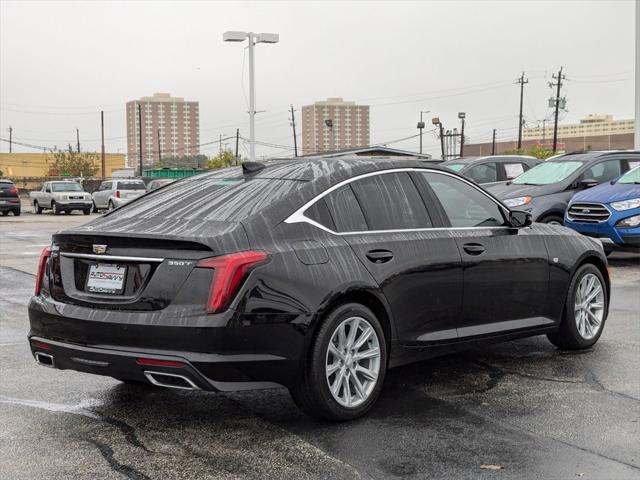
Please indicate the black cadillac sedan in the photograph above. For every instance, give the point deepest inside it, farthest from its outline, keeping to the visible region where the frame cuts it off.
(318, 275)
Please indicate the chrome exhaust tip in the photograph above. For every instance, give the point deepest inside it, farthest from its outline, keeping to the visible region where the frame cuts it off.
(44, 359)
(170, 380)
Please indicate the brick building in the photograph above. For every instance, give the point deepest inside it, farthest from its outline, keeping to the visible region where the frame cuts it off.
(171, 128)
(333, 124)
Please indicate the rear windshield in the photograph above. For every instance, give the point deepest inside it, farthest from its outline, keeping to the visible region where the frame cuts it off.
(66, 187)
(546, 173)
(209, 199)
(131, 185)
(6, 186)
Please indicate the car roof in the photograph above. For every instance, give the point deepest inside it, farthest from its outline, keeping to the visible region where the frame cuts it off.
(310, 169)
(591, 155)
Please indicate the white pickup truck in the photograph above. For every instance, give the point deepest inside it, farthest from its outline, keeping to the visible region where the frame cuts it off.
(61, 196)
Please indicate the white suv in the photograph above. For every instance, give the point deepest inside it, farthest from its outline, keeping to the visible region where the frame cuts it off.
(114, 193)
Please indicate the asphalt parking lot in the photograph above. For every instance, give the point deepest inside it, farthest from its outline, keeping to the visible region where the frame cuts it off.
(521, 409)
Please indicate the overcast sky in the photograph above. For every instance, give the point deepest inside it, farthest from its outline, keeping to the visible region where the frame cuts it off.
(62, 62)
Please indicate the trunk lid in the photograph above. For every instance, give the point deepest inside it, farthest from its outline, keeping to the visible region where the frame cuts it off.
(105, 265)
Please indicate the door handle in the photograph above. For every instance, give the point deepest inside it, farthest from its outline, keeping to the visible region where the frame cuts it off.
(379, 256)
(473, 248)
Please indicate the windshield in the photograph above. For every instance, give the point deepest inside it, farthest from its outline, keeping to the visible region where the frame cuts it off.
(632, 176)
(547, 173)
(66, 187)
(456, 167)
(131, 185)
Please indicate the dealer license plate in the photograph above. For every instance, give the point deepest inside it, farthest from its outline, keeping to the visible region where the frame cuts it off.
(106, 278)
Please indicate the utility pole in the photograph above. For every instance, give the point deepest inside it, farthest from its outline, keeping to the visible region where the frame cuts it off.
(493, 143)
(436, 121)
(237, 141)
(293, 124)
(78, 140)
(102, 155)
(159, 149)
(558, 85)
(522, 82)
(10, 139)
(140, 137)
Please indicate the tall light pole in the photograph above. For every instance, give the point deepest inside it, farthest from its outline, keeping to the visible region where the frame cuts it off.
(253, 38)
(436, 121)
(421, 126)
(462, 116)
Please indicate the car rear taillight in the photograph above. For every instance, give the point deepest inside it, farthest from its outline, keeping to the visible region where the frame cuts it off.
(153, 362)
(117, 193)
(229, 272)
(44, 256)
(13, 191)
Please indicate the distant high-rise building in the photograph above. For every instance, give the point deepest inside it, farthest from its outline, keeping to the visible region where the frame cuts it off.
(171, 128)
(334, 124)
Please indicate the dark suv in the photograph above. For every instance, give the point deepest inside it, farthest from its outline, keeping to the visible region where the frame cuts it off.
(9, 199)
(545, 190)
(313, 274)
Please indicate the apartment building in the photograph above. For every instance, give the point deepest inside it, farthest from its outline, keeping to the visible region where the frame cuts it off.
(170, 128)
(334, 124)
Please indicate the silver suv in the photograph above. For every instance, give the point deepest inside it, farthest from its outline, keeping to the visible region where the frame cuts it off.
(114, 193)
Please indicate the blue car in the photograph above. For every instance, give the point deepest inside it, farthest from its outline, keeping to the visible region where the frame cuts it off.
(610, 211)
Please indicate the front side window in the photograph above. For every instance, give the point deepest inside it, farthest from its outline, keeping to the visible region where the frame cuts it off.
(464, 205)
(483, 173)
(513, 170)
(547, 173)
(603, 171)
(391, 201)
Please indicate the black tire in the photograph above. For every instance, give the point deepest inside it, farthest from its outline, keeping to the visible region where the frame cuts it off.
(311, 393)
(86, 211)
(94, 208)
(37, 208)
(110, 206)
(553, 219)
(16, 213)
(54, 208)
(567, 336)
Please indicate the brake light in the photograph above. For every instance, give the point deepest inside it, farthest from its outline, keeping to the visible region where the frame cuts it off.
(44, 256)
(117, 193)
(40, 345)
(229, 272)
(13, 191)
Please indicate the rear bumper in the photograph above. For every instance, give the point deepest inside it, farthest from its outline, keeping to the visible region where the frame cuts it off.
(224, 352)
(9, 204)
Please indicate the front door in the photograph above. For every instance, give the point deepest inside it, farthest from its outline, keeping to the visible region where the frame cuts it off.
(506, 270)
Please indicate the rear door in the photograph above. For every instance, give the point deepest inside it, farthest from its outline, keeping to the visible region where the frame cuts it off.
(506, 271)
(101, 196)
(384, 219)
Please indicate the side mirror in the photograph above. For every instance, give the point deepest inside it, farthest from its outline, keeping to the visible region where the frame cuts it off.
(519, 219)
(587, 183)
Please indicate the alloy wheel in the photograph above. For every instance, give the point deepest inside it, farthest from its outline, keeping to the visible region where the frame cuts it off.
(353, 362)
(589, 306)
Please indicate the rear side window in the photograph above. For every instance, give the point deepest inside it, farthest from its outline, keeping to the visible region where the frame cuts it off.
(131, 185)
(464, 205)
(319, 213)
(345, 210)
(391, 202)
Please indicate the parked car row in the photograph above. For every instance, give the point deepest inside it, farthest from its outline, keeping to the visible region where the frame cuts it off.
(595, 193)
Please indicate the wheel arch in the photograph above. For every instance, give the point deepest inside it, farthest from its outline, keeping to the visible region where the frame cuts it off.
(601, 265)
